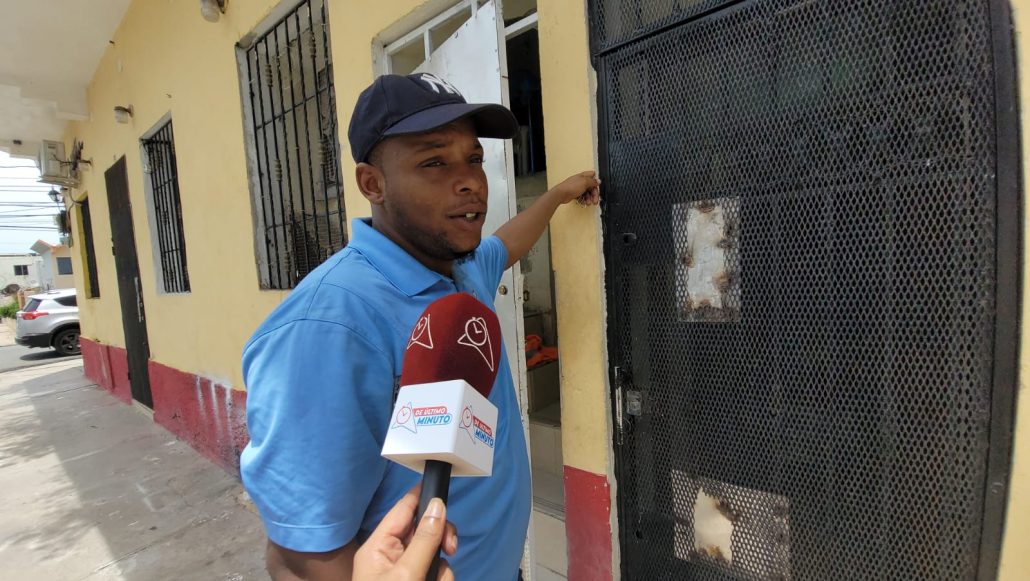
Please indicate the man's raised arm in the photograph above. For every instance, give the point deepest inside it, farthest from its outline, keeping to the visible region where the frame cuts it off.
(521, 232)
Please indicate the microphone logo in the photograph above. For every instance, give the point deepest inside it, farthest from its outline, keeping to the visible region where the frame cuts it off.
(421, 334)
(466, 421)
(403, 418)
(476, 428)
(410, 418)
(477, 337)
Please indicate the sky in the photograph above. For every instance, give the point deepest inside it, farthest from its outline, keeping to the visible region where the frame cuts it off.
(26, 212)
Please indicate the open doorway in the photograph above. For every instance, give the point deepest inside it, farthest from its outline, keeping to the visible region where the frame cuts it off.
(539, 315)
(527, 310)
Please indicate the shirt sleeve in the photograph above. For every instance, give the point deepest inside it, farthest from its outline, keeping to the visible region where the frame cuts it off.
(491, 258)
(318, 406)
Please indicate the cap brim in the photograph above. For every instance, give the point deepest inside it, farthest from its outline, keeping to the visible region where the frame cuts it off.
(491, 120)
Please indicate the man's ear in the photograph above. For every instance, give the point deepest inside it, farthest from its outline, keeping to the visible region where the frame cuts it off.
(371, 182)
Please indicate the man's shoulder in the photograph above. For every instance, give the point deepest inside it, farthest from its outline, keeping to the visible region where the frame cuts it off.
(346, 290)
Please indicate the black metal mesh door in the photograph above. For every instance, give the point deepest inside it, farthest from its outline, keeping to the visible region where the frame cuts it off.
(802, 242)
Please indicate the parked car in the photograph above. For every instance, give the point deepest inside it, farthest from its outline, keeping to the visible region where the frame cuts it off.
(50, 319)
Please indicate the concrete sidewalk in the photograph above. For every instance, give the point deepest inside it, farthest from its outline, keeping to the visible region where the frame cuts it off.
(7, 332)
(93, 489)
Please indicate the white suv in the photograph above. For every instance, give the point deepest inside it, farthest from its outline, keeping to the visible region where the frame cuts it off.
(50, 319)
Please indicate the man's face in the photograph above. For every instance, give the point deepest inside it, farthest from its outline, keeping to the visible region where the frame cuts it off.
(435, 195)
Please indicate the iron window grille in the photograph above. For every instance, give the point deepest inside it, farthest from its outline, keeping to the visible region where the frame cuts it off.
(295, 157)
(164, 180)
(93, 291)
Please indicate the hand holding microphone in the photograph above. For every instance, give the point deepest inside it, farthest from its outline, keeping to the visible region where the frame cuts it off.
(443, 422)
(395, 552)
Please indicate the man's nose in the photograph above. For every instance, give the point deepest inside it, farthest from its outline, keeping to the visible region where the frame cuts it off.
(471, 181)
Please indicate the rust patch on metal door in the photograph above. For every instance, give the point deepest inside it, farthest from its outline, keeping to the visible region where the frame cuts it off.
(706, 234)
(740, 530)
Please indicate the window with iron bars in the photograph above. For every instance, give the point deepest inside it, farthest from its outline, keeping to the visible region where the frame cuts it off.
(161, 166)
(295, 167)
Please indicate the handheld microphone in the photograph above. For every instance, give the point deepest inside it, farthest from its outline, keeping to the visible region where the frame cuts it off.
(442, 421)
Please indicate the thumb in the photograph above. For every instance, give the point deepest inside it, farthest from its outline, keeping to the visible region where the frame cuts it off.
(425, 543)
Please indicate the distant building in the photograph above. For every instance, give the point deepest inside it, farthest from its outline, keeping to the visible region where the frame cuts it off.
(55, 265)
(20, 269)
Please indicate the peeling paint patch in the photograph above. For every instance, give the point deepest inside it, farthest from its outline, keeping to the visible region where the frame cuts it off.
(706, 234)
(210, 416)
(740, 530)
(713, 527)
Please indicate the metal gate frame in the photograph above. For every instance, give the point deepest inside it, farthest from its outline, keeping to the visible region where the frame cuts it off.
(1008, 299)
(1009, 272)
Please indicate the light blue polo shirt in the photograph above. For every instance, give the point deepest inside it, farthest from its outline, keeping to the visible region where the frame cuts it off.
(320, 375)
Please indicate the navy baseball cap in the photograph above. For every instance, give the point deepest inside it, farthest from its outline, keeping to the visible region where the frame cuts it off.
(403, 105)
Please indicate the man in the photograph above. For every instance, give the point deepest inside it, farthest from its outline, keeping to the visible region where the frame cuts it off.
(322, 369)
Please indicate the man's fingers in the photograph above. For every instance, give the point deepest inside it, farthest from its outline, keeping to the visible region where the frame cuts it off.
(425, 543)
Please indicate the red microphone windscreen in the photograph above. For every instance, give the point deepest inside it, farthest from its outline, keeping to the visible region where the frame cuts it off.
(457, 337)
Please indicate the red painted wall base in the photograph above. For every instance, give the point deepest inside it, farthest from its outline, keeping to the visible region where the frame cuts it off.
(107, 367)
(588, 525)
(209, 416)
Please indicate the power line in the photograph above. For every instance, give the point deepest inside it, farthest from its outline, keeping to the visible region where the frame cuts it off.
(6, 215)
(28, 228)
(27, 212)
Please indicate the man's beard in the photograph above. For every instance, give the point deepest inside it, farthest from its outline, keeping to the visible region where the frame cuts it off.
(444, 251)
(435, 245)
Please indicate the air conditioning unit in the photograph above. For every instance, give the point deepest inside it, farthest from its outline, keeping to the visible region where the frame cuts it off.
(54, 168)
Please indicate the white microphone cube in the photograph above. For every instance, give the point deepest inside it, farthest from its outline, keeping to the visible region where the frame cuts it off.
(447, 421)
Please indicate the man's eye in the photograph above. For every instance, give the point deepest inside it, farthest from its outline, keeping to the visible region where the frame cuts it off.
(433, 163)
(478, 159)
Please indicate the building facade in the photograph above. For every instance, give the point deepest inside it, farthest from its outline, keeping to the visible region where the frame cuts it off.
(55, 265)
(19, 269)
(805, 272)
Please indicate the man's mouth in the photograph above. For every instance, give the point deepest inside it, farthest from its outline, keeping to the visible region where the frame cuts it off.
(468, 216)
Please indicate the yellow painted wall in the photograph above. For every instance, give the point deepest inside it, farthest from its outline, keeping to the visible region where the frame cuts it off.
(1015, 556)
(567, 83)
(166, 58)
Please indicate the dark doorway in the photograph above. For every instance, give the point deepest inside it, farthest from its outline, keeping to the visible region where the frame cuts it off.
(130, 291)
(812, 282)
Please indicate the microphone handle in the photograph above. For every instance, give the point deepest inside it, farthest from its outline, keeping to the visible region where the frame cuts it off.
(436, 481)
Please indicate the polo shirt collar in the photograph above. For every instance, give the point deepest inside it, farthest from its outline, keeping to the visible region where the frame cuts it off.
(410, 276)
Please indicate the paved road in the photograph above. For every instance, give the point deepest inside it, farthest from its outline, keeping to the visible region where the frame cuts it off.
(18, 357)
